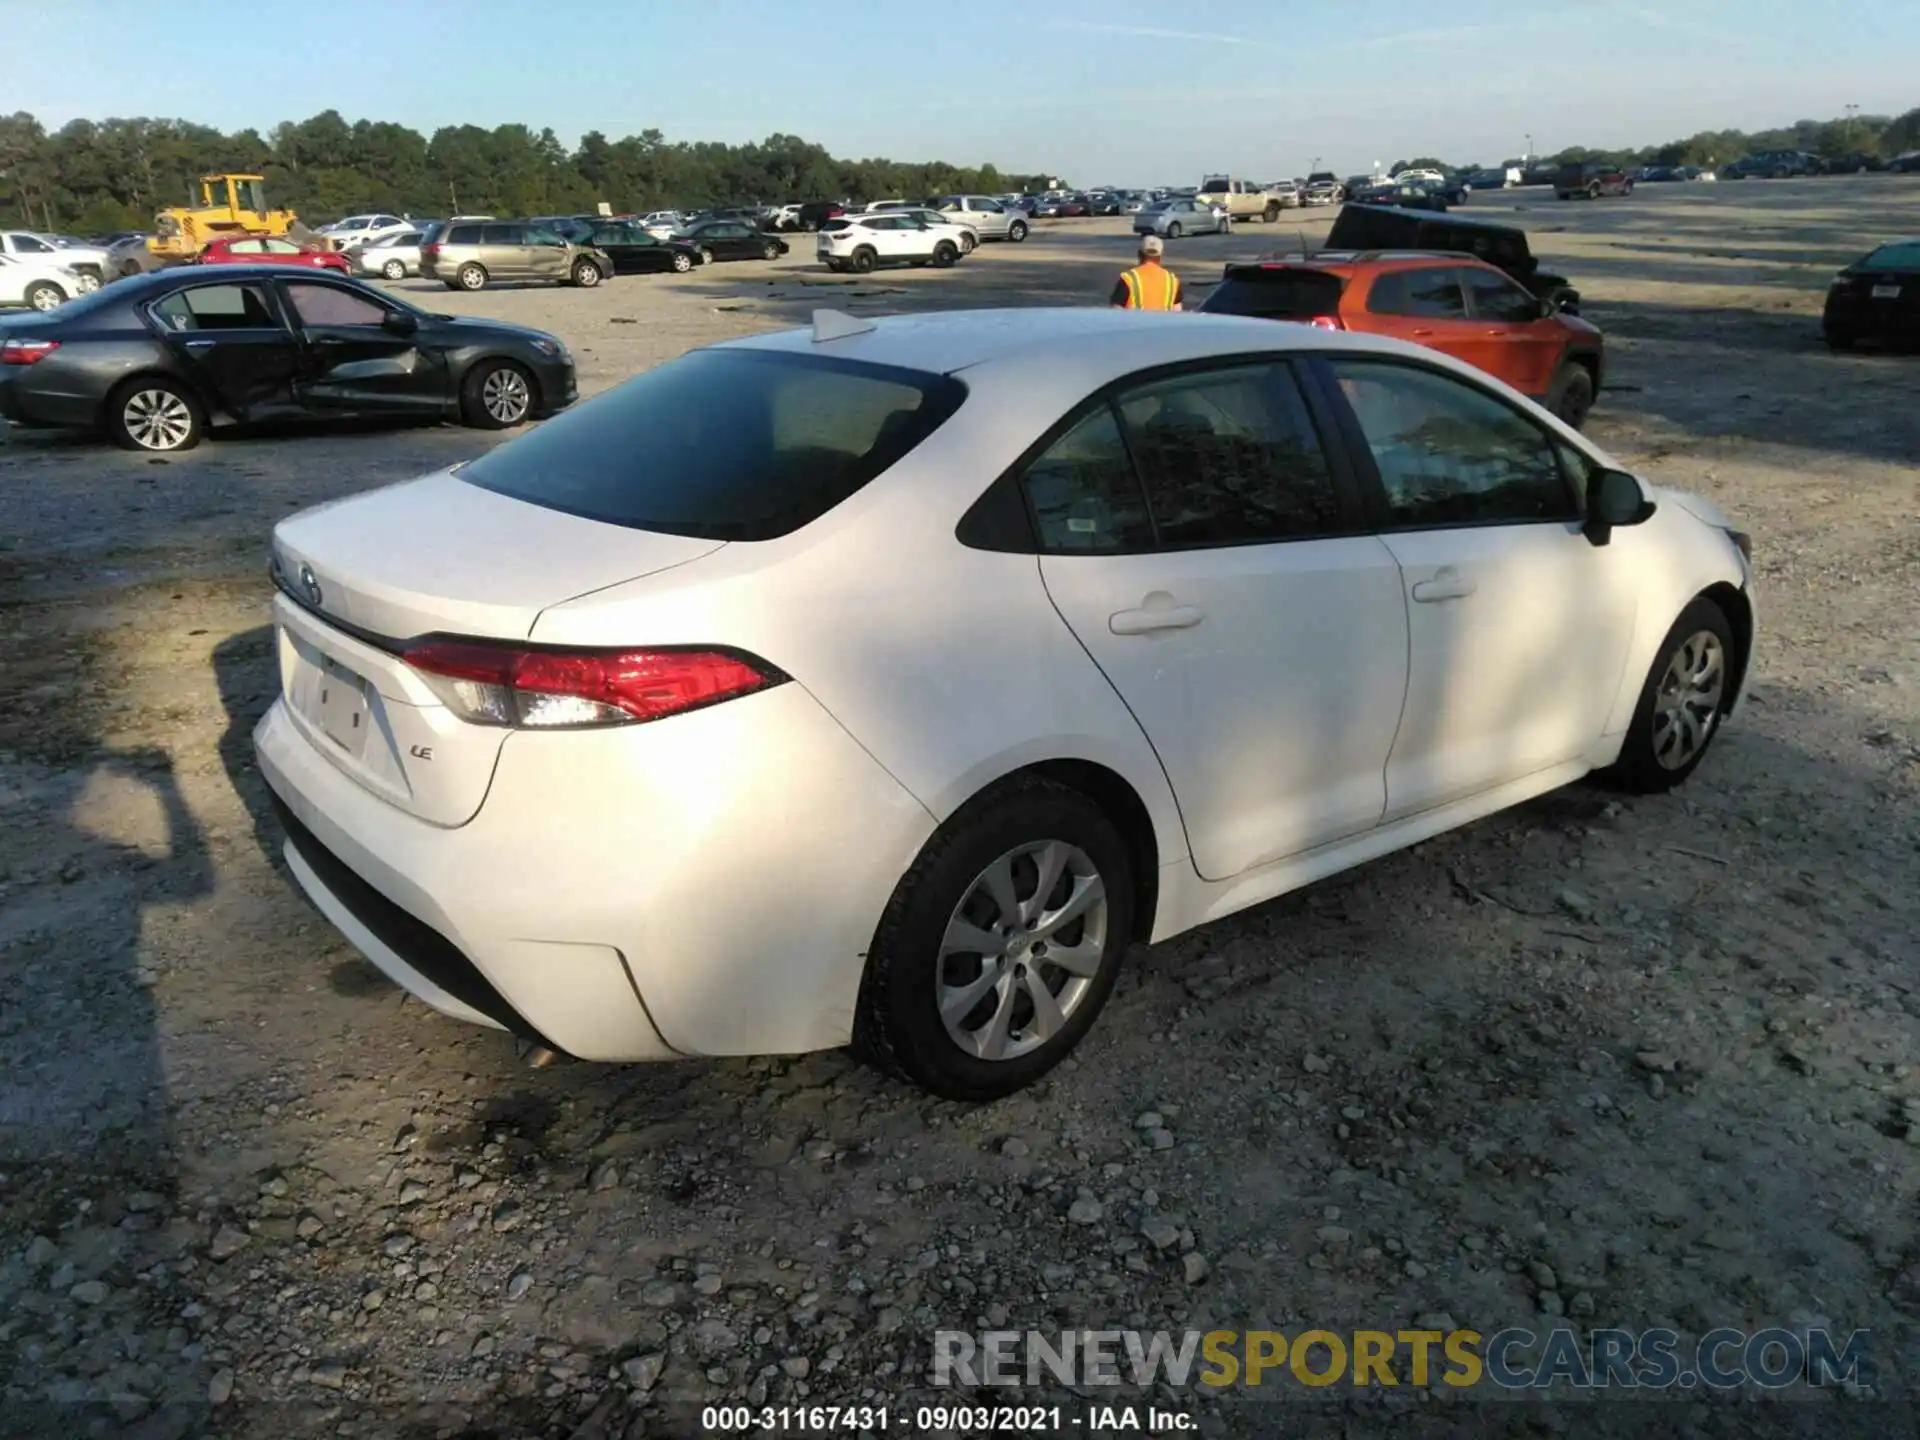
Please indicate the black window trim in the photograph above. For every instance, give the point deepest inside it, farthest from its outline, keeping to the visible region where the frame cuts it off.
(980, 525)
(264, 284)
(1360, 454)
(1493, 272)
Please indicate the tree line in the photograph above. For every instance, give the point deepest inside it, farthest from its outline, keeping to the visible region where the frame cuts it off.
(95, 176)
(1885, 135)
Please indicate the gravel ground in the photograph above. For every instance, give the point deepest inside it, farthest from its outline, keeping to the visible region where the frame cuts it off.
(1640, 1062)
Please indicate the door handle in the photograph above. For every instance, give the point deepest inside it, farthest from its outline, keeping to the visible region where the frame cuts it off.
(1144, 621)
(1420, 334)
(1446, 584)
(199, 344)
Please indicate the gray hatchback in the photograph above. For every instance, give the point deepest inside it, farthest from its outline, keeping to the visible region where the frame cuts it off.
(469, 255)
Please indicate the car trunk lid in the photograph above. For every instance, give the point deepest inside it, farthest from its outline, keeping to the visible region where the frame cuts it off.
(361, 578)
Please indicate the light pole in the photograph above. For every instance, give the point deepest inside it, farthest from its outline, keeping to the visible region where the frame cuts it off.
(1529, 150)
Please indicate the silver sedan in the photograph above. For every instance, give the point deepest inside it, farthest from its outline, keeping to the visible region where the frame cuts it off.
(1174, 218)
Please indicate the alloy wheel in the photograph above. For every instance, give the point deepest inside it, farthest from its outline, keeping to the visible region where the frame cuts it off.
(45, 298)
(157, 419)
(1686, 705)
(86, 283)
(683, 263)
(1021, 950)
(394, 270)
(506, 396)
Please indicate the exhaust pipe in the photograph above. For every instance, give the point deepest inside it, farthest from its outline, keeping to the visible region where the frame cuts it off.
(538, 1057)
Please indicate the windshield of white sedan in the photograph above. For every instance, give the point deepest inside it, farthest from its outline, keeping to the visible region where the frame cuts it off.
(724, 444)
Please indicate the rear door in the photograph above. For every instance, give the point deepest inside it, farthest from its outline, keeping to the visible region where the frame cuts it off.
(232, 340)
(503, 252)
(351, 362)
(1205, 548)
(1426, 305)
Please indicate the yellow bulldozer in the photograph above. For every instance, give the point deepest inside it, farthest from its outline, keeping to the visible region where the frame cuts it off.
(226, 205)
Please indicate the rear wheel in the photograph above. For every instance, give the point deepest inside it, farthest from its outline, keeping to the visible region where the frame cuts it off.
(864, 260)
(1173, 231)
(44, 295)
(497, 395)
(1681, 705)
(394, 270)
(1017, 231)
(586, 274)
(154, 414)
(471, 277)
(1001, 944)
(1570, 396)
(682, 262)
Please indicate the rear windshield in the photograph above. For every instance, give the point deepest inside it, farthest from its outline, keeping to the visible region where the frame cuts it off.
(724, 444)
(1900, 255)
(1277, 295)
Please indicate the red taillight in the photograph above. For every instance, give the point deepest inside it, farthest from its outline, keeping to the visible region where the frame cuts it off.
(1326, 322)
(553, 689)
(429, 252)
(26, 352)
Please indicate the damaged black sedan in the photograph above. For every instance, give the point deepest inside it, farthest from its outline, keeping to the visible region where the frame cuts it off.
(154, 360)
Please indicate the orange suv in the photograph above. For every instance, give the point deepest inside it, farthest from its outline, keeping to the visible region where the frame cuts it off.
(1452, 303)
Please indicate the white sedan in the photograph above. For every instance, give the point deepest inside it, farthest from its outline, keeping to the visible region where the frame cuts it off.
(394, 256)
(40, 283)
(886, 682)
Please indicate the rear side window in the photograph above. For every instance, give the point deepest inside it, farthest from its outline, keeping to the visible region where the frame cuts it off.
(502, 235)
(1230, 457)
(724, 444)
(1085, 496)
(1427, 294)
(216, 307)
(464, 235)
(1277, 295)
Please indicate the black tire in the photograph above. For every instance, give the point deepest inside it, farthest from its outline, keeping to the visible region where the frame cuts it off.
(394, 270)
(769, 252)
(1640, 768)
(682, 262)
(1173, 231)
(1017, 231)
(1271, 213)
(586, 274)
(945, 253)
(477, 406)
(864, 259)
(1593, 191)
(44, 295)
(838, 267)
(897, 1026)
(1570, 395)
(470, 277)
(1840, 339)
(129, 399)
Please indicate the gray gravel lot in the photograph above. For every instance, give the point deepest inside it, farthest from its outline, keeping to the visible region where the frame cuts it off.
(1649, 1062)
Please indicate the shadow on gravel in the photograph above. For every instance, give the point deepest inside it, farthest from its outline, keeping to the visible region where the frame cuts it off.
(246, 674)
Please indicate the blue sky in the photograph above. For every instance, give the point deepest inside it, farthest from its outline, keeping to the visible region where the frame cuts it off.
(1121, 92)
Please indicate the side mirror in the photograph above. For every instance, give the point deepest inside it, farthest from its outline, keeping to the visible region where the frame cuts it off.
(1614, 498)
(398, 322)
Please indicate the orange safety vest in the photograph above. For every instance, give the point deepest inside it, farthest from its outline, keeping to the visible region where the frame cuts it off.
(1151, 287)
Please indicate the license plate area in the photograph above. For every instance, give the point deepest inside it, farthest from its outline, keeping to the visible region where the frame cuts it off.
(338, 707)
(1886, 292)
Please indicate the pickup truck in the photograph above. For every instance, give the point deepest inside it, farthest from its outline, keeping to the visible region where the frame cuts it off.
(1241, 199)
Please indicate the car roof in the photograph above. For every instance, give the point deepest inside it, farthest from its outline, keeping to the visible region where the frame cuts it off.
(1102, 343)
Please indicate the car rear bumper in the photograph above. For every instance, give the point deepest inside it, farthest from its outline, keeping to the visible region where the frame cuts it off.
(703, 885)
(45, 399)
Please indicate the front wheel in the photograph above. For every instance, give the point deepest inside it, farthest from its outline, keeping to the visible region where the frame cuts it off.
(1681, 705)
(1570, 396)
(586, 274)
(86, 282)
(706, 255)
(967, 242)
(1270, 214)
(944, 254)
(769, 252)
(1000, 946)
(1593, 191)
(44, 295)
(156, 415)
(394, 270)
(497, 395)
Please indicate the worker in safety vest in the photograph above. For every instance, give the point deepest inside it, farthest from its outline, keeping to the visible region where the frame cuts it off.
(1149, 285)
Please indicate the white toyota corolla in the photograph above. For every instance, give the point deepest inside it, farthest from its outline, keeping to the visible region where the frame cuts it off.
(885, 681)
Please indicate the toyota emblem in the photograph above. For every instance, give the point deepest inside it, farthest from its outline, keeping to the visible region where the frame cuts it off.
(310, 585)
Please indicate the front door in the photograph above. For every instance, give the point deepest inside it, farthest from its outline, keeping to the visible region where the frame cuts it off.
(547, 254)
(1519, 625)
(1518, 340)
(1202, 549)
(231, 339)
(352, 361)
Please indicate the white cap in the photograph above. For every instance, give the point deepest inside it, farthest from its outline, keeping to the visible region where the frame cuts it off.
(1151, 245)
